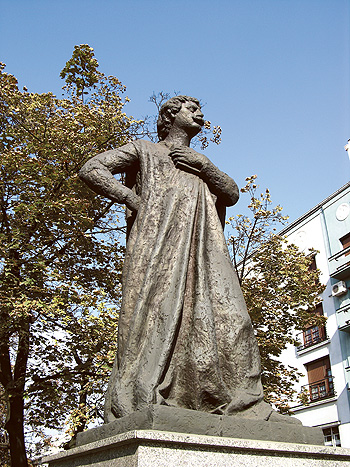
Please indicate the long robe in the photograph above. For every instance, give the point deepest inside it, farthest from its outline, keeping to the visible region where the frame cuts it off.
(185, 337)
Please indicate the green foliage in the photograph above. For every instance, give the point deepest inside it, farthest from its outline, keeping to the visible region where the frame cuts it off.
(81, 70)
(61, 246)
(279, 287)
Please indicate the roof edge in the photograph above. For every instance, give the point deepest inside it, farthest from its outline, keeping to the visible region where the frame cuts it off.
(313, 210)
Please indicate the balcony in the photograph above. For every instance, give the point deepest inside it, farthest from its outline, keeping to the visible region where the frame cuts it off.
(339, 264)
(347, 377)
(317, 391)
(343, 318)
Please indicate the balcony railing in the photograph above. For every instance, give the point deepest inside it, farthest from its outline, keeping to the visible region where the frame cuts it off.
(317, 391)
(343, 318)
(339, 264)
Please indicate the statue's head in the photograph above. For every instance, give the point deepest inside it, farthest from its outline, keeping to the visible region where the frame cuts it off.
(168, 112)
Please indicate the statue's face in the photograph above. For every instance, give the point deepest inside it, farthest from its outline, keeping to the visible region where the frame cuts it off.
(189, 118)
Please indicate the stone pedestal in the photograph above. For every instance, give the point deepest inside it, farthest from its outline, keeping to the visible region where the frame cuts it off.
(165, 449)
(168, 437)
(164, 418)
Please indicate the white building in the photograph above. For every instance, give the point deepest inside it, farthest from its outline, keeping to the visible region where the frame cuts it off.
(324, 356)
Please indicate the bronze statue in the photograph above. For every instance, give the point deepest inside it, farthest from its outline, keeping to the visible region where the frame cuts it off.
(185, 337)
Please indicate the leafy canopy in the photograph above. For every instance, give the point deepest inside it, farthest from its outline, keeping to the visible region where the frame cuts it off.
(61, 246)
(81, 70)
(279, 286)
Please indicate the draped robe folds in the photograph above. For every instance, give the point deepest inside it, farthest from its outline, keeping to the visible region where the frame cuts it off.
(185, 337)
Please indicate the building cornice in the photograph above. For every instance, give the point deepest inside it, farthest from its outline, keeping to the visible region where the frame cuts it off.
(314, 210)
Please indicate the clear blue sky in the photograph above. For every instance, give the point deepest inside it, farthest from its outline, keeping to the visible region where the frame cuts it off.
(273, 73)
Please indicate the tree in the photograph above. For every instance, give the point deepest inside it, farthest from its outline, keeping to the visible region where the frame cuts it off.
(57, 240)
(279, 287)
(66, 388)
(4, 451)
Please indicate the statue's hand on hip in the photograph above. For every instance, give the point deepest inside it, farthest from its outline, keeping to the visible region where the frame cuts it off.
(132, 201)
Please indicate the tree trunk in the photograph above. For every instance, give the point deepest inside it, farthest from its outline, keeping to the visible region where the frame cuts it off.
(13, 382)
(82, 404)
(14, 426)
(13, 377)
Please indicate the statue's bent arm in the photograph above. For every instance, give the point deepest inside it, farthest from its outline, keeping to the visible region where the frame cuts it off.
(98, 175)
(219, 183)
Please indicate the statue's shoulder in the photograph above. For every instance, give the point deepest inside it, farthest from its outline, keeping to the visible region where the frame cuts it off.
(146, 146)
(137, 148)
(144, 143)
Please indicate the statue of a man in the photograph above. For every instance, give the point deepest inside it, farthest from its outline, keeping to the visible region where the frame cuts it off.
(185, 337)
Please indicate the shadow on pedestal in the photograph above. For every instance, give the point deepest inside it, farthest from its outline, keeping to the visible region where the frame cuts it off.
(170, 419)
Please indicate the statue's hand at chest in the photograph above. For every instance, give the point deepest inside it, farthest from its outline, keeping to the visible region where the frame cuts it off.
(188, 159)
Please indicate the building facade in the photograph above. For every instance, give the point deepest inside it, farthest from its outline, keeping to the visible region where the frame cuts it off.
(323, 356)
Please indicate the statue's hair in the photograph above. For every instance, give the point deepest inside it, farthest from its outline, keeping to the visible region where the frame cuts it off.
(168, 111)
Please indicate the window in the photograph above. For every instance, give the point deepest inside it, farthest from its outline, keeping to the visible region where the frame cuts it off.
(331, 436)
(313, 266)
(311, 336)
(314, 334)
(345, 241)
(320, 379)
